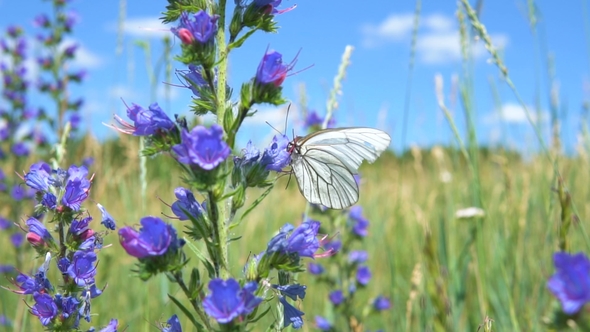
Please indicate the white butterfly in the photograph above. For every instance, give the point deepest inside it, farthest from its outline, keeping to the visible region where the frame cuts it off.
(324, 163)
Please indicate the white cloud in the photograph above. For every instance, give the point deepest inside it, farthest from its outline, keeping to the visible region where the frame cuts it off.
(274, 115)
(513, 113)
(121, 92)
(143, 27)
(438, 40)
(85, 58)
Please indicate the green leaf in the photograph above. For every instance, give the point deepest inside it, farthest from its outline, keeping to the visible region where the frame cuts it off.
(254, 204)
(201, 257)
(188, 314)
(238, 43)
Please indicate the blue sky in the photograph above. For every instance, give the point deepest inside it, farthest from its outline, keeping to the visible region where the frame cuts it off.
(376, 83)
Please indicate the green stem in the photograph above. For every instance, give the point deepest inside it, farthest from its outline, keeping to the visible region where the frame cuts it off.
(222, 206)
(202, 315)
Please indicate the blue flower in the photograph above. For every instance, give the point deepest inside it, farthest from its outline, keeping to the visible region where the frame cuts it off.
(77, 187)
(173, 325)
(313, 119)
(276, 157)
(17, 239)
(292, 291)
(187, 202)
(20, 149)
(38, 176)
(270, 6)
(145, 122)
(44, 308)
(107, 220)
(336, 297)
(381, 303)
(195, 80)
(357, 256)
(201, 27)
(111, 327)
(82, 268)
(361, 224)
(68, 305)
(291, 314)
(571, 282)
(203, 147)
(271, 69)
(80, 226)
(228, 301)
(363, 275)
(153, 239)
(315, 269)
(322, 323)
(38, 234)
(302, 240)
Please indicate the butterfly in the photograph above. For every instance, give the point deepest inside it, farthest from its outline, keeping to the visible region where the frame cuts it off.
(324, 163)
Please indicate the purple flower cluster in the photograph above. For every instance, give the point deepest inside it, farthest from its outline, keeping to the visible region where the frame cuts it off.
(200, 28)
(154, 238)
(313, 120)
(73, 186)
(146, 122)
(203, 147)
(228, 301)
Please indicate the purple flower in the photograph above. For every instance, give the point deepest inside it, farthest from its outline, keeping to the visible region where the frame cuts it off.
(38, 234)
(68, 305)
(269, 6)
(381, 303)
(6, 269)
(63, 264)
(20, 149)
(41, 21)
(87, 162)
(571, 281)
(363, 275)
(292, 291)
(276, 157)
(77, 187)
(4, 321)
(291, 314)
(302, 240)
(357, 256)
(271, 69)
(44, 308)
(17, 192)
(153, 239)
(107, 220)
(70, 50)
(203, 147)
(334, 245)
(75, 120)
(79, 226)
(361, 224)
(187, 202)
(313, 119)
(315, 269)
(145, 122)
(194, 79)
(5, 223)
(201, 27)
(336, 297)
(322, 323)
(38, 176)
(173, 325)
(82, 268)
(112, 327)
(228, 301)
(17, 239)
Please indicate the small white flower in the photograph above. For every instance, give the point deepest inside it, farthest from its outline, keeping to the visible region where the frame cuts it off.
(469, 212)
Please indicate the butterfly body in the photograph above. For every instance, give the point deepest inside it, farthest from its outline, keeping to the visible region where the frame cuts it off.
(324, 163)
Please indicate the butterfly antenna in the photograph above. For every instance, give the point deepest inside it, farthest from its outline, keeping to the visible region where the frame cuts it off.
(273, 127)
(287, 118)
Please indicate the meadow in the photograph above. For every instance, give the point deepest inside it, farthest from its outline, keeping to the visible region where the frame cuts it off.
(461, 237)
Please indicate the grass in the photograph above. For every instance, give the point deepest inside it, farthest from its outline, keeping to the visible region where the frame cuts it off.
(413, 232)
(442, 273)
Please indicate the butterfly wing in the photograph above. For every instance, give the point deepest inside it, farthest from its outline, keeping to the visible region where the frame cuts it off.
(324, 163)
